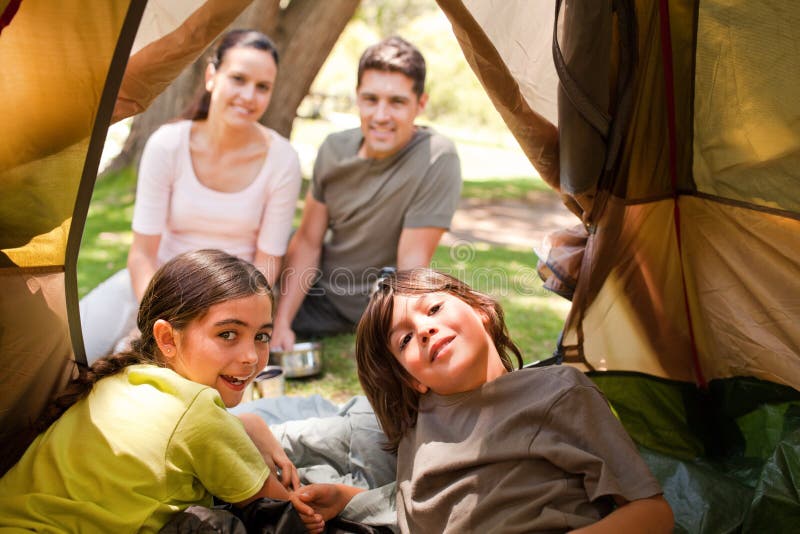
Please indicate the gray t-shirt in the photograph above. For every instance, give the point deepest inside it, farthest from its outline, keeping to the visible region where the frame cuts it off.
(535, 450)
(371, 201)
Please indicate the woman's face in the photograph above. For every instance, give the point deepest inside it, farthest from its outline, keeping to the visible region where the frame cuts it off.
(443, 343)
(241, 87)
(226, 347)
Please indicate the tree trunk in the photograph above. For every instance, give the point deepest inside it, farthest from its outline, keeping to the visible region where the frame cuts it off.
(304, 33)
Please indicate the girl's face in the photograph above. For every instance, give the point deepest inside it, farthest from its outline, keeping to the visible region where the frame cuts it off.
(241, 87)
(226, 347)
(443, 343)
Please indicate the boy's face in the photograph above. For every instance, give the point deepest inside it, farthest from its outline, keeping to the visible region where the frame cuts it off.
(443, 343)
(388, 106)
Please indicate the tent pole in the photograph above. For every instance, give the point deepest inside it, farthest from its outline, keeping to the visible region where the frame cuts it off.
(669, 80)
(108, 100)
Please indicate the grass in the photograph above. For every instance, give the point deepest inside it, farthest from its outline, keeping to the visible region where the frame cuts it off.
(534, 316)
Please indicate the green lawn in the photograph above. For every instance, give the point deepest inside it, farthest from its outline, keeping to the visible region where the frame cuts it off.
(534, 316)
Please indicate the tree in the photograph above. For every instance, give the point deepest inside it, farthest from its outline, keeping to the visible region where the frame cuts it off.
(304, 32)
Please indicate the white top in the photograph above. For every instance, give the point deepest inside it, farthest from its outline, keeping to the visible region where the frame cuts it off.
(173, 203)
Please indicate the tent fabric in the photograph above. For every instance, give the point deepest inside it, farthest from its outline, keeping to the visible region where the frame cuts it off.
(172, 36)
(54, 121)
(750, 151)
(685, 304)
(688, 265)
(523, 89)
(41, 163)
(726, 458)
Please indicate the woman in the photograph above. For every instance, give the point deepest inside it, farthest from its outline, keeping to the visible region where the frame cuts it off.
(217, 179)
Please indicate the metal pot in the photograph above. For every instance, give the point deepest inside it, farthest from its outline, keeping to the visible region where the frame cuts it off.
(268, 383)
(305, 359)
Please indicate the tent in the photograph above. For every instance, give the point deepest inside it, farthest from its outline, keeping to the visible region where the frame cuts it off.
(670, 128)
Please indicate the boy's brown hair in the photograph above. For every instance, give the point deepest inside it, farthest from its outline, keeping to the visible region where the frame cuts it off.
(387, 385)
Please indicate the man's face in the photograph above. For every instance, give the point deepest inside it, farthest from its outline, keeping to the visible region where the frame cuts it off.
(388, 106)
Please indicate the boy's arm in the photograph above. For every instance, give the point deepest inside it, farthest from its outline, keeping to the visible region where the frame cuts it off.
(651, 515)
(328, 499)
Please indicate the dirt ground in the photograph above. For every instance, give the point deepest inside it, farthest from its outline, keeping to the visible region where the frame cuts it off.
(506, 222)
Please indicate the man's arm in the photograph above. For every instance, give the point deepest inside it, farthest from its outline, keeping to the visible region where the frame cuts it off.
(302, 261)
(416, 246)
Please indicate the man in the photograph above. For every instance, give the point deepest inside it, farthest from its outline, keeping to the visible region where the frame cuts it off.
(384, 193)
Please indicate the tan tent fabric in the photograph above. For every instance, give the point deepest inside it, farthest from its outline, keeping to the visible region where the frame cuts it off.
(55, 58)
(743, 268)
(173, 35)
(62, 65)
(634, 323)
(35, 353)
(689, 270)
(747, 108)
(536, 134)
(525, 49)
(47, 104)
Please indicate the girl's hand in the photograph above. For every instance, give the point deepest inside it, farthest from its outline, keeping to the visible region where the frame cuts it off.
(288, 472)
(271, 450)
(327, 499)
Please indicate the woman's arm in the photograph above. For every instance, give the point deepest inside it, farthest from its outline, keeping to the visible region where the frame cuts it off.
(652, 515)
(269, 265)
(142, 261)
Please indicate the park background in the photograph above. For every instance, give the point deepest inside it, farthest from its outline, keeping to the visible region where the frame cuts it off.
(505, 214)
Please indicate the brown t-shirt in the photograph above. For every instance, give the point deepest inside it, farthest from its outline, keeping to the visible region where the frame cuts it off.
(370, 202)
(536, 450)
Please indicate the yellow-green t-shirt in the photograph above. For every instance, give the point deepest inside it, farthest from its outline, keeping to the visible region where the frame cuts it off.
(145, 444)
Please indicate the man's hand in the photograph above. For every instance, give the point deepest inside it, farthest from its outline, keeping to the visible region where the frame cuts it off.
(327, 500)
(282, 338)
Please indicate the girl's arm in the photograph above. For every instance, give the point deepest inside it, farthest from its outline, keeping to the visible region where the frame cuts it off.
(271, 450)
(651, 515)
(273, 489)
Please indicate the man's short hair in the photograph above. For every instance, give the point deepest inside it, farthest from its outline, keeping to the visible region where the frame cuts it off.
(395, 54)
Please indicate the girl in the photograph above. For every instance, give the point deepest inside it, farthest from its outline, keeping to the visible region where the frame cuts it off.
(145, 434)
(484, 449)
(217, 179)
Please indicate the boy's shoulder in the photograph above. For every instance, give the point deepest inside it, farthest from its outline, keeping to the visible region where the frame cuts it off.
(552, 377)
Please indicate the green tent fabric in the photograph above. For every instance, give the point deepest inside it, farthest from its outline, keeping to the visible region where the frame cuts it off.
(670, 128)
